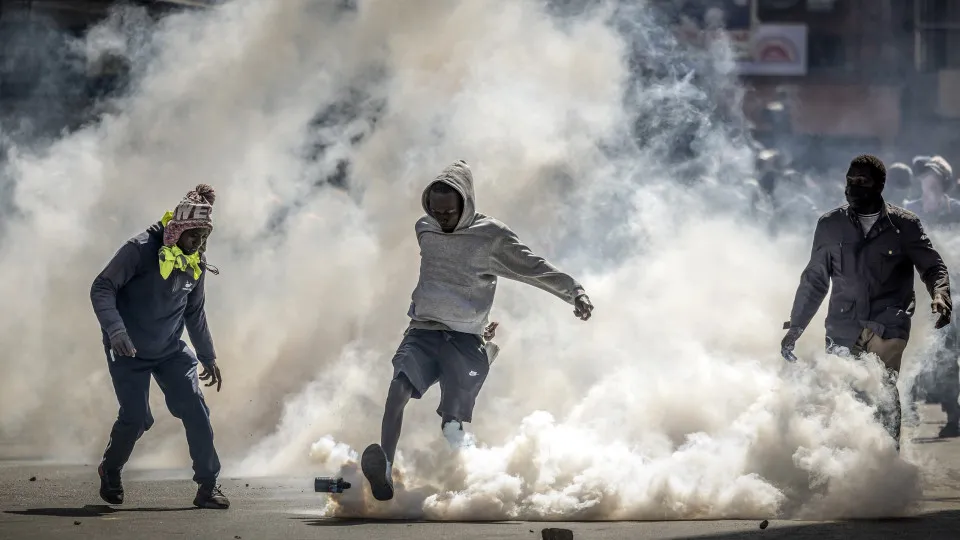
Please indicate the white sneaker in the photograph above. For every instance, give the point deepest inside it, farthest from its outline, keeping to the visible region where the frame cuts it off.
(457, 437)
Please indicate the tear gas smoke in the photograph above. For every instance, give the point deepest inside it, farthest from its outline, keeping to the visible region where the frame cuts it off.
(670, 403)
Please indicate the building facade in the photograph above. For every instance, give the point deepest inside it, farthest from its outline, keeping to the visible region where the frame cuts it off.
(882, 75)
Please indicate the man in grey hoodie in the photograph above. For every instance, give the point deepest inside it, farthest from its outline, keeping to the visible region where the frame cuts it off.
(462, 253)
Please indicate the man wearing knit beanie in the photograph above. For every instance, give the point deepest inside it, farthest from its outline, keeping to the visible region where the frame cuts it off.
(148, 293)
(935, 206)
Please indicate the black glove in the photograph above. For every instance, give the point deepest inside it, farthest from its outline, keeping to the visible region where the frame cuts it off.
(789, 342)
(122, 345)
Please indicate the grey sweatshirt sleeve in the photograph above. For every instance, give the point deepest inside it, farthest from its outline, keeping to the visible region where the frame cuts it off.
(103, 293)
(514, 260)
(195, 318)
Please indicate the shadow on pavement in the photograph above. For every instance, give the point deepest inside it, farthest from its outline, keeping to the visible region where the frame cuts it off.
(927, 440)
(90, 510)
(348, 522)
(942, 499)
(943, 524)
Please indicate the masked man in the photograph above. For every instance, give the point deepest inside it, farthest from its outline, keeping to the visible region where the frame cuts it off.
(868, 250)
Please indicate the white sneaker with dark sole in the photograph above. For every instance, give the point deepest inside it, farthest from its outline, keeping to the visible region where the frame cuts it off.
(377, 469)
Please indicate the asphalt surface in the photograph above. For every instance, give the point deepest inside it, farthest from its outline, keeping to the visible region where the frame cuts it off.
(42, 500)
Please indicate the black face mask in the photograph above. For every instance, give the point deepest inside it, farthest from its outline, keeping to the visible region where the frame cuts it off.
(863, 200)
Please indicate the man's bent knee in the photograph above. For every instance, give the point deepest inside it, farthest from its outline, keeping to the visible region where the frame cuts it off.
(134, 429)
(135, 419)
(189, 408)
(401, 390)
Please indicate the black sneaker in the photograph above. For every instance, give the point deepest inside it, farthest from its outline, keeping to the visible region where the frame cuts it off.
(377, 469)
(211, 497)
(111, 488)
(911, 416)
(950, 431)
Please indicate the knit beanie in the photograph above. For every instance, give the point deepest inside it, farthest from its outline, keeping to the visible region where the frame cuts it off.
(195, 211)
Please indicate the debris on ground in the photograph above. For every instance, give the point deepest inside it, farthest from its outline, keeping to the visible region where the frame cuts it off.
(76, 522)
(33, 478)
(556, 534)
(763, 524)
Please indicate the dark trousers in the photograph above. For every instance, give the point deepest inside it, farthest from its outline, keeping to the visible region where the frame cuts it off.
(948, 387)
(940, 383)
(177, 377)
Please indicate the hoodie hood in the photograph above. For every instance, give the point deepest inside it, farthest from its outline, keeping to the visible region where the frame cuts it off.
(459, 177)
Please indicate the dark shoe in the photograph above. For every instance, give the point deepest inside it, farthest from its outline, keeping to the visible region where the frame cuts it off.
(377, 469)
(950, 431)
(211, 497)
(911, 416)
(111, 488)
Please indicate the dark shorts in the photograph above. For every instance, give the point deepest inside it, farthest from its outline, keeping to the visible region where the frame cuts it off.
(457, 360)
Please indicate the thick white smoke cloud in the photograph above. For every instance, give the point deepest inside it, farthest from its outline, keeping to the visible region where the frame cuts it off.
(670, 403)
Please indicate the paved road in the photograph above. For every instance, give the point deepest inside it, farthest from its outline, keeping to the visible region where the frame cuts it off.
(62, 503)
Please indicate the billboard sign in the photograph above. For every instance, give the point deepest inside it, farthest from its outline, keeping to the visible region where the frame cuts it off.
(773, 50)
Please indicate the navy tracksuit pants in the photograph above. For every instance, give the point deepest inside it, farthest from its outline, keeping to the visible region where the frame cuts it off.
(177, 377)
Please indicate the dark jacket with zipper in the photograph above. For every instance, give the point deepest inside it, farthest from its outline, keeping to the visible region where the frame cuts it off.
(872, 274)
(131, 296)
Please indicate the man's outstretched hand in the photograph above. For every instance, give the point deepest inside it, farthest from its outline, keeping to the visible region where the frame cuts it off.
(122, 345)
(942, 308)
(212, 372)
(490, 331)
(582, 307)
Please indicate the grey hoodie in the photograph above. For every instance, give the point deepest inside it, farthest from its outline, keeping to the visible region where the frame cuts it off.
(459, 270)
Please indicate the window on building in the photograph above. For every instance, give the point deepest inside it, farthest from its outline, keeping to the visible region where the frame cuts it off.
(937, 28)
(781, 11)
(826, 50)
